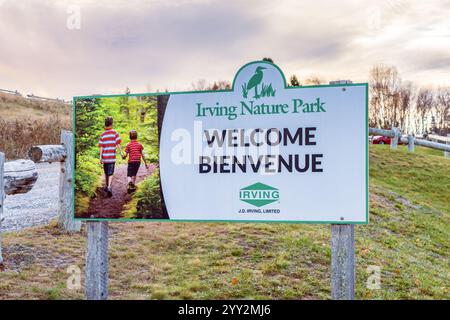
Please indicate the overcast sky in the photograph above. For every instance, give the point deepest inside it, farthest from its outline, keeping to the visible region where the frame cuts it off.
(163, 44)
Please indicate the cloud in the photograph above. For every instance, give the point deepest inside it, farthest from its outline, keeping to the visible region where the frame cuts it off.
(170, 44)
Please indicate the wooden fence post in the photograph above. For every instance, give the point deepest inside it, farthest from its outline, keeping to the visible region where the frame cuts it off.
(342, 254)
(66, 218)
(342, 261)
(2, 197)
(96, 287)
(447, 153)
(394, 140)
(410, 143)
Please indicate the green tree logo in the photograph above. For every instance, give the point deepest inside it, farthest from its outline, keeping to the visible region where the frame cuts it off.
(255, 82)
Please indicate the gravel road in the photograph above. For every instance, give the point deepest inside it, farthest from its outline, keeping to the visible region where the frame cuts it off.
(36, 207)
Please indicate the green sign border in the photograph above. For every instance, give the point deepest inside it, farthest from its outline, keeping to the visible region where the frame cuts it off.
(286, 87)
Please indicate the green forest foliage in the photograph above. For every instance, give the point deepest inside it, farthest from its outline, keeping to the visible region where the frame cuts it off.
(146, 203)
(129, 113)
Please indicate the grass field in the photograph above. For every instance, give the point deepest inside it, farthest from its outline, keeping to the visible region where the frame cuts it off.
(25, 122)
(13, 107)
(407, 237)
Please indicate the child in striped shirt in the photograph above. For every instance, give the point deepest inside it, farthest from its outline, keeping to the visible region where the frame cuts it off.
(134, 151)
(108, 142)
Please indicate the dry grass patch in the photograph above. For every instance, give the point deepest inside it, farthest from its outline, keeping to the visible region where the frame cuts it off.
(25, 122)
(14, 107)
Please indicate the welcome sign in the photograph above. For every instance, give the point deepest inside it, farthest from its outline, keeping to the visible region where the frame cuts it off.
(261, 151)
(264, 151)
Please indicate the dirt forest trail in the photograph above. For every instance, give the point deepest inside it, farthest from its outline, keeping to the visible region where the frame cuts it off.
(102, 206)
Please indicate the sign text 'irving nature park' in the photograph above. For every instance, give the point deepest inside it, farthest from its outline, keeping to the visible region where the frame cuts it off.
(264, 151)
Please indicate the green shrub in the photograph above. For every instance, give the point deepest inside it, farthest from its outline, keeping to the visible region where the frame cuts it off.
(88, 175)
(146, 203)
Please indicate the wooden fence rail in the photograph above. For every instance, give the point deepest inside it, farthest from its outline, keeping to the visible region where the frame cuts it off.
(428, 144)
(382, 132)
(33, 97)
(439, 138)
(15, 92)
(19, 176)
(47, 153)
(396, 136)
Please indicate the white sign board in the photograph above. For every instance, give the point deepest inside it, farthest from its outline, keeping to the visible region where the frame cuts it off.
(263, 151)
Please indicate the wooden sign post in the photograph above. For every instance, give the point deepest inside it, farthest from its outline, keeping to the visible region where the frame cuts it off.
(342, 261)
(343, 255)
(96, 287)
(66, 195)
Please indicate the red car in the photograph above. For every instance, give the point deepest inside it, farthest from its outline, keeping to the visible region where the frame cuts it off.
(381, 140)
(386, 140)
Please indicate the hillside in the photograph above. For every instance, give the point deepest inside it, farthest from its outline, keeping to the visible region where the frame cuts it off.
(24, 122)
(407, 237)
(14, 107)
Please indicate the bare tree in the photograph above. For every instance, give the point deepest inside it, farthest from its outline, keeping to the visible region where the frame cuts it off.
(424, 105)
(220, 85)
(200, 85)
(442, 110)
(385, 96)
(313, 80)
(403, 106)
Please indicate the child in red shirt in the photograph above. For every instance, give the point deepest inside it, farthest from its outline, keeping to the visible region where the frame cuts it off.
(134, 151)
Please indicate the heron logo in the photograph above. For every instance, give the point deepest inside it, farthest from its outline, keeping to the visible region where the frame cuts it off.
(256, 87)
(259, 194)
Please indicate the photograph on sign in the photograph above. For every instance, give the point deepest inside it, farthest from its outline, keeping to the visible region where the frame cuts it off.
(116, 150)
(261, 151)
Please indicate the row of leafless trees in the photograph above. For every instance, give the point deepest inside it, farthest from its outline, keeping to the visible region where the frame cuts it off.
(401, 104)
(393, 102)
